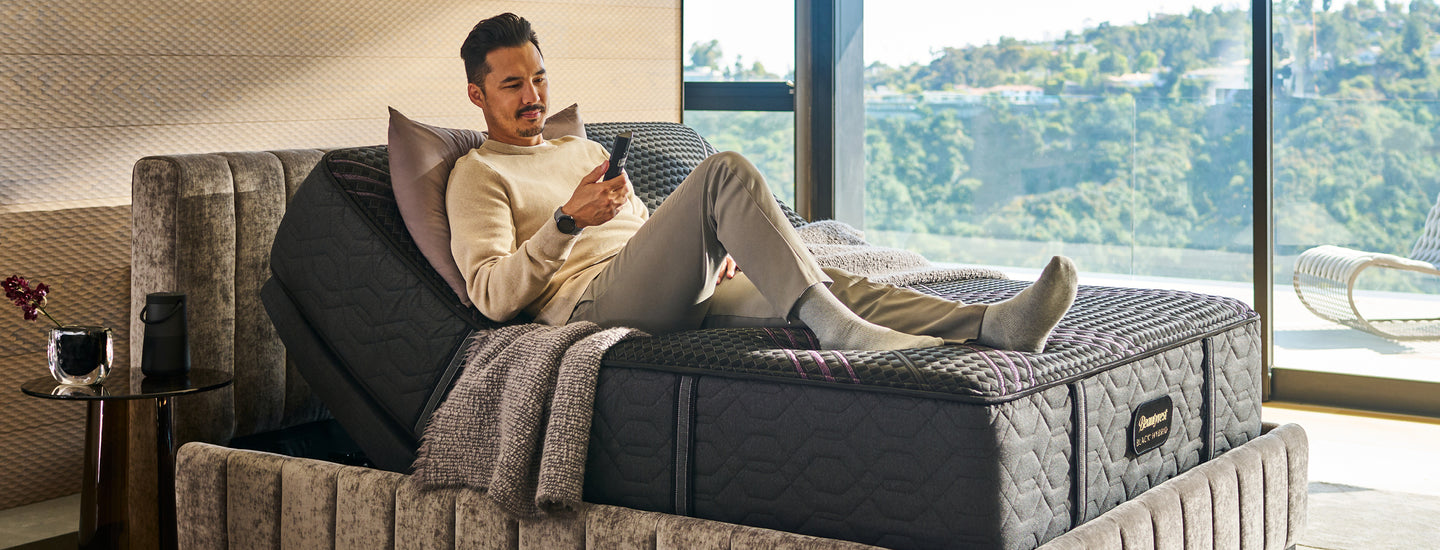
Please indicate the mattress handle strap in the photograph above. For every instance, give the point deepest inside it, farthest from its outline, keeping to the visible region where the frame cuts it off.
(1078, 451)
(1207, 430)
(685, 397)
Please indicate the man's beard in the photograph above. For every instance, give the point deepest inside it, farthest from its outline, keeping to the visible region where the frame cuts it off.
(534, 131)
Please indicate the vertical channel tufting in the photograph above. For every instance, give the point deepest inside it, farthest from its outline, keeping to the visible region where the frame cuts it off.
(1225, 501)
(615, 527)
(481, 524)
(365, 509)
(1137, 530)
(253, 497)
(1297, 446)
(307, 505)
(1196, 508)
(1166, 518)
(1251, 497)
(259, 181)
(183, 240)
(682, 533)
(200, 489)
(424, 520)
(558, 532)
(1250, 478)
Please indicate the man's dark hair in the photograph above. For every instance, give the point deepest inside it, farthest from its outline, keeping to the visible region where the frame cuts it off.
(506, 30)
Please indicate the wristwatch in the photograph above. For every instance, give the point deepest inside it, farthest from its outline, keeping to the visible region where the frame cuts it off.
(565, 223)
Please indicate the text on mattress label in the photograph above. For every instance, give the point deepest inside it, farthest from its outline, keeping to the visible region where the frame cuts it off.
(1150, 425)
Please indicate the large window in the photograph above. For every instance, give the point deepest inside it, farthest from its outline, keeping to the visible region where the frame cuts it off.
(748, 57)
(1356, 119)
(1123, 134)
(1116, 133)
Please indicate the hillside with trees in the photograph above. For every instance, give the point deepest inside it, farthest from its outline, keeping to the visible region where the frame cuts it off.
(1139, 135)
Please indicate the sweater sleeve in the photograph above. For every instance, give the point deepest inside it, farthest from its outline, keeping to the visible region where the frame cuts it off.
(500, 277)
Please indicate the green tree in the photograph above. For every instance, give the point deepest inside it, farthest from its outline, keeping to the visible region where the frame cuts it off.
(706, 54)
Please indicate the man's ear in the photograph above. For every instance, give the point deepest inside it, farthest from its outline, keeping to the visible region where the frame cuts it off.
(477, 95)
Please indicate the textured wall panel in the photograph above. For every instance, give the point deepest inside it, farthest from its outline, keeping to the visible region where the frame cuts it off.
(83, 254)
(42, 463)
(88, 87)
(110, 82)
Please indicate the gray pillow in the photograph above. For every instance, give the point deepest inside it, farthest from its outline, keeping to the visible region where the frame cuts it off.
(421, 157)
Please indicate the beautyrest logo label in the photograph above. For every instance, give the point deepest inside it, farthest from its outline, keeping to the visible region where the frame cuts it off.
(1150, 425)
(1148, 421)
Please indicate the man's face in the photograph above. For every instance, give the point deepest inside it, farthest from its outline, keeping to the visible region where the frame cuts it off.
(513, 95)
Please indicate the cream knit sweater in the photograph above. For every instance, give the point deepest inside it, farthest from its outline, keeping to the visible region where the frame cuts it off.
(501, 203)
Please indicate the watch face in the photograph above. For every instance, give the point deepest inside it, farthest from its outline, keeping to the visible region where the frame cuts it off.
(566, 224)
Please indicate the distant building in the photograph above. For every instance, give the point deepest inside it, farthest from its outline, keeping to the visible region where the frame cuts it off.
(1017, 93)
(1133, 81)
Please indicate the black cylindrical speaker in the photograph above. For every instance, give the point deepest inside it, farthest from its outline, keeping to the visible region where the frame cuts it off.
(166, 348)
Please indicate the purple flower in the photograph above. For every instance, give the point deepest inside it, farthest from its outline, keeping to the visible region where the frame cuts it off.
(31, 301)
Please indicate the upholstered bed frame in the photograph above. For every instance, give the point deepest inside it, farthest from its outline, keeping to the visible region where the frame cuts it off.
(203, 225)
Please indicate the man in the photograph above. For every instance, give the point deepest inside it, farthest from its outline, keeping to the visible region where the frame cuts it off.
(534, 229)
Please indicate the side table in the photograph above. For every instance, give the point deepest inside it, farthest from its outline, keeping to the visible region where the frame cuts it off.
(101, 497)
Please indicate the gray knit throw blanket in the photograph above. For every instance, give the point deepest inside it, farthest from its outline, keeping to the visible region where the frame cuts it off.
(840, 245)
(517, 423)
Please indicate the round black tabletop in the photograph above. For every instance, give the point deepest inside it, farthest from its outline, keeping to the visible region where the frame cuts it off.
(117, 385)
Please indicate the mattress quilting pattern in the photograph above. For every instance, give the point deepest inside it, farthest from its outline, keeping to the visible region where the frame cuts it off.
(947, 446)
(906, 469)
(1105, 327)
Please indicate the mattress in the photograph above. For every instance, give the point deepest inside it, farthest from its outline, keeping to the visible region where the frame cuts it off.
(956, 446)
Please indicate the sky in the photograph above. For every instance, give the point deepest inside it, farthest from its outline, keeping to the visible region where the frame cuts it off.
(899, 32)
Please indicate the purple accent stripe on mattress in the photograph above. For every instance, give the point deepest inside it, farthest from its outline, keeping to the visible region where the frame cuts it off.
(1029, 368)
(1013, 369)
(774, 338)
(791, 336)
(360, 164)
(848, 368)
(796, 360)
(1000, 375)
(824, 368)
(810, 336)
(356, 177)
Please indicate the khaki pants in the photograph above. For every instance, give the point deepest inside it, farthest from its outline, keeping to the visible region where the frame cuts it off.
(664, 278)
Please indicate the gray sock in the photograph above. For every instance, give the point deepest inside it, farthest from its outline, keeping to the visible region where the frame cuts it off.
(839, 328)
(1024, 322)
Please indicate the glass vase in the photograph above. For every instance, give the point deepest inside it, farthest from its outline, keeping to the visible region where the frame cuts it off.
(80, 355)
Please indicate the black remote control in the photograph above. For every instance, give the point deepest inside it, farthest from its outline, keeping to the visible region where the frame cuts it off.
(617, 155)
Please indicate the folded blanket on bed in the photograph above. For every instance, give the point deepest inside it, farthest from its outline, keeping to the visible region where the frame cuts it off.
(840, 245)
(517, 423)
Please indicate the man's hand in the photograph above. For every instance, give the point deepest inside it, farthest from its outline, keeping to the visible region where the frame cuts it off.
(596, 202)
(727, 269)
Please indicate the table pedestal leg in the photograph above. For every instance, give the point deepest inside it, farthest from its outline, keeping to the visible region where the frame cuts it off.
(165, 466)
(102, 493)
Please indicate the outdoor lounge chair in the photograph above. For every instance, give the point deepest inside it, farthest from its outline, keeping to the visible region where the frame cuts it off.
(1325, 282)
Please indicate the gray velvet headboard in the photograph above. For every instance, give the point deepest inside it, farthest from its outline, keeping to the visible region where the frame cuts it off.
(203, 225)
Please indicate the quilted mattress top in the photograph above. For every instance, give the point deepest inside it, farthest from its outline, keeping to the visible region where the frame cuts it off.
(1106, 327)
